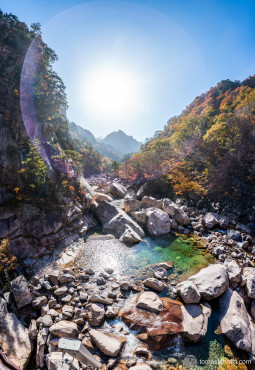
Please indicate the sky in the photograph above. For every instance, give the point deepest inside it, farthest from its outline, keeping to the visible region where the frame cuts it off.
(134, 65)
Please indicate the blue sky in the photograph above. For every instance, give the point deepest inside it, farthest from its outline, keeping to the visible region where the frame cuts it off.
(167, 53)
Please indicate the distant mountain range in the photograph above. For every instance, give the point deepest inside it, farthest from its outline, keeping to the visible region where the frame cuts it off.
(115, 145)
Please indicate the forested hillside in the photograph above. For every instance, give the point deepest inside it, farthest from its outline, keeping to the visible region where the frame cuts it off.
(208, 149)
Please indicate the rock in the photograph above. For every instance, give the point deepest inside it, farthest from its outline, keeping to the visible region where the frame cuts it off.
(188, 291)
(234, 271)
(158, 223)
(67, 311)
(40, 346)
(99, 299)
(108, 343)
(118, 190)
(61, 291)
(235, 322)
(14, 339)
(83, 296)
(140, 216)
(56, 361)
(154, 284)
(66, 299)
(235, 235)
(150, 202)
(166, 265)
(131, 205)
(99, 197)
(21, 291)
(95, 314)
(130, 194)
(38, 302)
(64, 328)
(53, 277)
(211, 281)
(141, 366)
(66, 278)
(149, 301)
(111, 312)
(125, 286)
(160, 273)
(117, 222)
(53, 313)
(141, 351)
(249, 277)
(253, 309)
(46, 320)
(211, 219)
(175, 212)
(195, 321)
(3, 307)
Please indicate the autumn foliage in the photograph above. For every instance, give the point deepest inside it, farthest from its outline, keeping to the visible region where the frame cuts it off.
(209, 148)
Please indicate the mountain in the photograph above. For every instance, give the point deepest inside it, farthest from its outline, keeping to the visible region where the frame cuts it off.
(123, 143)
(114, 146)
(208, 150)
(81, 133)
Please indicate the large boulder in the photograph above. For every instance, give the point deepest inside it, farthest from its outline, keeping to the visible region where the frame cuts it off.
(64, 329)
(14, 339)
(158, 223)
(188, 291)
(149, 301)
(195, 321)
(249, 278)
(131, 205)
(99, 197)
(175, 212)
(211, 219)
(149, 202)
(154, 284)
(108, 343)
(21, 291)
(117, 222)
(56, 361)
(235, 322)
(211, 281)
(234, 271)
(95, 314)
(235, 235)
(118, 190)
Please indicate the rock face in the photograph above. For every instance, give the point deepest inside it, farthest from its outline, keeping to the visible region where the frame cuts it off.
(211, 219)
(55, 361)
(158, 223)
(175, 212)
(108, 343)
(211, 281)
(188, 291)
(64, 328)
(195, 321)
(150, 302)
(14, 339)
(249, 277)
(117, 222)
(236, 324)
(21, 291)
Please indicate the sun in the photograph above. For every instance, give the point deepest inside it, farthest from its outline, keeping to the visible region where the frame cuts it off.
(110, 92)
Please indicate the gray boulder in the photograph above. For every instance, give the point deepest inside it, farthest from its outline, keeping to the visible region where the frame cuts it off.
(154, 284)
(149, 202)
(211, 281)
(188, 291)
(235, 235)
(195, 321)
(149, 301)
(140, 216)
(211, 220)
(131, 205)
(108, 343)
(118, 190)
(175, 212)
(56, 361)
(158, 223)
(235, 323)
(21, 291)
(95, 314)
(117, 222)
(234, 271)
(249, 278)
(64, 328)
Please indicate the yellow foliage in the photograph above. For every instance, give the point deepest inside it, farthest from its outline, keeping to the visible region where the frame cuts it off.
(7, 260)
